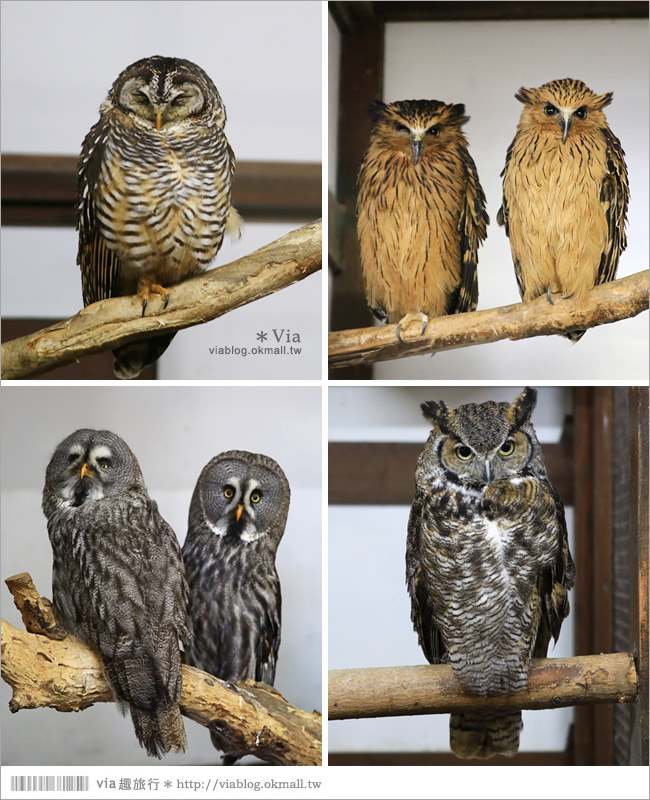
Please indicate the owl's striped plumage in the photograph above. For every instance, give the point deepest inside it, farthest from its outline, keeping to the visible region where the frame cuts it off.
(421, 213)
(154, 180)
(488, 566)
(565, 192)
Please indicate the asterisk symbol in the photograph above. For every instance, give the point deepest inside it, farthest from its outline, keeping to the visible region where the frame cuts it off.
(168, 784)
(261, 336)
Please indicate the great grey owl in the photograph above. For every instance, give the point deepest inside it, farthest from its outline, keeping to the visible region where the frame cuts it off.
(488, 566)
(153, 190)
(236, 521)
(118, 579)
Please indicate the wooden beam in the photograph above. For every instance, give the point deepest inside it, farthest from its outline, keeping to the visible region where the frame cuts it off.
(392, 11)
(381, 473)
(433, 689)
(41, 190)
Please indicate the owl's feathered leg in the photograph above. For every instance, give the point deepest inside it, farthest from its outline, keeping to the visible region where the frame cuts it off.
(485, 735)
(412, 325)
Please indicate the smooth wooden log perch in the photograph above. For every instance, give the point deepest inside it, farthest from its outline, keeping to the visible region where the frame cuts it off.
(68, 676)
(433, 689)
(609, 302)
(107, 323)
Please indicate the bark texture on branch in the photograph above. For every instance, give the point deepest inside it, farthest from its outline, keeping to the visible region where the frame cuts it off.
(107, 323)
(433, 689)
(609, 302)
(68, 676)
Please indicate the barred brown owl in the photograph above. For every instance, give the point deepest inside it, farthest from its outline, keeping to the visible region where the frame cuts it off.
(421, 214)
(118, 579)
(236, 521)
(488, 567)
(565, 193)
(154, 180)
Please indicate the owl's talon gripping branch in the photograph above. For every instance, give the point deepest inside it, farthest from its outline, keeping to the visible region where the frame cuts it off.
(148, 286)
(411, 326)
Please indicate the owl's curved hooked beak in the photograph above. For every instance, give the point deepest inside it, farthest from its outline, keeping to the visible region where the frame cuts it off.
(416, 146)
(565, 124)
(239, 511)
(86, 470)
(159, 115)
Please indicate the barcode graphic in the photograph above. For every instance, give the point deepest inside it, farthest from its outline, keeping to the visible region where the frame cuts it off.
(49, 783)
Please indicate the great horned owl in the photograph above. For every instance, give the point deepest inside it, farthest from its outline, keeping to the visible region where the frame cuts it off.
(153, 196)
(421, 214)
(118, 579)
(488, 566)
(565, 193)
(236, 521)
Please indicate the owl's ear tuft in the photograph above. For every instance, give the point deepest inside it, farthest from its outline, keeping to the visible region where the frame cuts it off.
(457, 114)
(526, 96)
(601, 100)
(377, 111)
(522, 408)
(438, 414)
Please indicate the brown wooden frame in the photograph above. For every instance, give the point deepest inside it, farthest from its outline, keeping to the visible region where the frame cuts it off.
(600, 466)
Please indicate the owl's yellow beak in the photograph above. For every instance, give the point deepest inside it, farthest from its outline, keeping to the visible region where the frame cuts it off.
(239, 511)
(85, 470)
(159, 114)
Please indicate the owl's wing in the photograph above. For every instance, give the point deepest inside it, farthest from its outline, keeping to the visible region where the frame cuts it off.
(99, 265)
(614, 196)
(554, 582)
(422, 613)
(472, 228)
(266, 655)
(502, 219)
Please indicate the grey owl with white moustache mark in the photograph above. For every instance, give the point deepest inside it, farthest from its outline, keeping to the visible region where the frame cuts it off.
(488, 566)
(236, 521)
(118, 580)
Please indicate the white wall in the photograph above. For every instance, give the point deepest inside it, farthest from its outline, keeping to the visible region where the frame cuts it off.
(369, 622)
(483, 64)
(174, 432)
(58, 62)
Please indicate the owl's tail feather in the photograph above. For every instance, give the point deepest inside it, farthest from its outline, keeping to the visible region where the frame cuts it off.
(229, 756)
(161, 730)
(133, 357)
(485, 735)
(574, 336)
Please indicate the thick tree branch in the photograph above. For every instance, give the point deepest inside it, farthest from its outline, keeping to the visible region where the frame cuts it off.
(68, 676)
(609, 302)
(552, 683)
(108, 323)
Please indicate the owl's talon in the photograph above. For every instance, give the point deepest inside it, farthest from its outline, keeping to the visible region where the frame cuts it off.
(550, 296)
(144, 306)
(146, 287)
(409, 321)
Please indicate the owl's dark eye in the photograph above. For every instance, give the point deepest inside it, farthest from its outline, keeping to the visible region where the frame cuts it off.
(581, 113)
(434, 130)
(463, 452)
(104, 463)
(141, 97)
(507, 448)
(228, 492)
(550, 110)
(72, 458)
(179, 100)
(256, 497)
(401, 128)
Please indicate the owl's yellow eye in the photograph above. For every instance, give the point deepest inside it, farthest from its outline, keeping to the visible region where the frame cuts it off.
(401, 128)
(550, 110)
(434, 130)
(507, 448)
(463, 452)
(256, 497)
(228, 492)
(581, 113)
(104, 463)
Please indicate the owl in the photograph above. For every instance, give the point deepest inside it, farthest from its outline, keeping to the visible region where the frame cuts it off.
(118, 579)
(153, 190)
(488, 566)
(565, 193)
(420, 214)
(236, 521)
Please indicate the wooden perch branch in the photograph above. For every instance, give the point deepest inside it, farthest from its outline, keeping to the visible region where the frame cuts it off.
(552, 683)
(68, 676)
(609, 302)
(108, 323)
